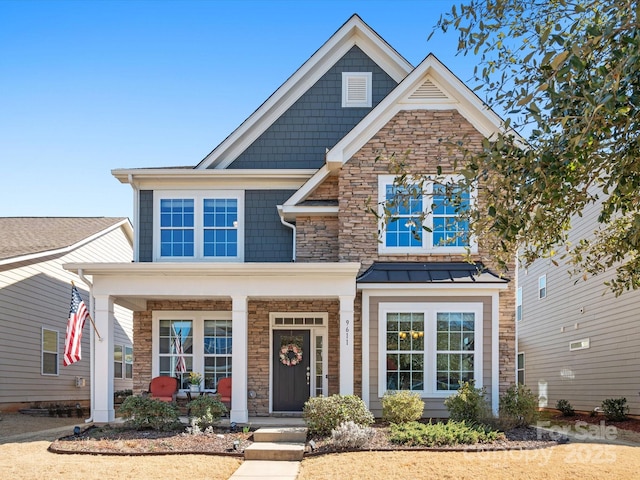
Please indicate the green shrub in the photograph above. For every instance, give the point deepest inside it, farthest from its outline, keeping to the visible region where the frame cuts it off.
(323, 414)
(615, 409)
(402, 406)
(144, 412)
(519, 404)
(441, 434)
(468, 404)
(206, 411)
(565, 408)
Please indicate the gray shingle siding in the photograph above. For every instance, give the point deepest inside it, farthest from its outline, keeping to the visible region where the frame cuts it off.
(316, 121)
(145, 226)
(266, 239)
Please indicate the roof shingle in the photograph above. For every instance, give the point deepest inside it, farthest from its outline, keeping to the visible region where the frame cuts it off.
(30, 235)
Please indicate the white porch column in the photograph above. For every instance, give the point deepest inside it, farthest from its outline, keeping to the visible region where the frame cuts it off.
(102, 408)
(239, 322)
(346, 344)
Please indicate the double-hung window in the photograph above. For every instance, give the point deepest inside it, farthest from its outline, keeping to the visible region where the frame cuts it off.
(429, 348)
(442, 228)
(49, 352)
(192, 341)
(122, 361)
(542, 286)
(175, 349)
(217, 351)
(118, 361)
(202, 226)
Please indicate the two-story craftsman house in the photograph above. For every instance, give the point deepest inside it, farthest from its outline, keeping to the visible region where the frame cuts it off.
(261, 264)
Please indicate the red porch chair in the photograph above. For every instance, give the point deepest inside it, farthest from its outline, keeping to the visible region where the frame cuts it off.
(224, 391)
(163, 388)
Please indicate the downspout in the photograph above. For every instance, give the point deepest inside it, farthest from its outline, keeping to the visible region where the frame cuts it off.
(292, 227)
(91, 344)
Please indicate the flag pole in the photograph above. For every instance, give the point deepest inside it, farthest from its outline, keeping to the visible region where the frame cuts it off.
(90, 318)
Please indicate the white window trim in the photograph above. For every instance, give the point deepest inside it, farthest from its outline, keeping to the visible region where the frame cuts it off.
(198, 318)
(346, 78)
(198, 197)
(542, 279)
(427, 237)
(42, 352)
(430, 309)
(519, 304)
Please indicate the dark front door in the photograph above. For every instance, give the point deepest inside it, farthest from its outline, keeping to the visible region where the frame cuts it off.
(291, 369)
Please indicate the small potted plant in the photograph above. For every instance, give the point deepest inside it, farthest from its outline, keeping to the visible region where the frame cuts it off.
(195, 379)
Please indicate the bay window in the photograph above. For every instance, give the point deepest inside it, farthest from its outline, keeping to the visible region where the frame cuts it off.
(429, 347)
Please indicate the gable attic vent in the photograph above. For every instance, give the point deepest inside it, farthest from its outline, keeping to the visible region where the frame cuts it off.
(356, 89)
(428, 91)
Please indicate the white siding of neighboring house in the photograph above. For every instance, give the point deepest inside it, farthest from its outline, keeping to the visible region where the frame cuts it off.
(36, 294)
(610, 367)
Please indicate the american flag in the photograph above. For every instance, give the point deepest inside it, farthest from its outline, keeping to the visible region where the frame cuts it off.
(181, 367)
(77, 316)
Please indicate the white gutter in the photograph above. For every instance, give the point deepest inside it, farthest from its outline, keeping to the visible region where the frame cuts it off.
(91, 344)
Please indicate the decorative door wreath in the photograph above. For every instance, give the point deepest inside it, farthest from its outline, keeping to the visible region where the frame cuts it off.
(290, 354)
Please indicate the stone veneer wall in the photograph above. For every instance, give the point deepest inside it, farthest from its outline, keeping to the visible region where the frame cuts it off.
(327, 190)
(317, 239)
(419, 134)
(258, 355)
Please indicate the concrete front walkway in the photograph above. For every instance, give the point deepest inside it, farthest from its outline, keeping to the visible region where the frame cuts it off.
(266, 469)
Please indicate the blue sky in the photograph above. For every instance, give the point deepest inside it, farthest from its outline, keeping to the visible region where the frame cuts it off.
(89, 86)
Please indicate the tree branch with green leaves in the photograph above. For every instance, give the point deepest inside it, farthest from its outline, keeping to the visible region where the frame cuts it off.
(566, 74)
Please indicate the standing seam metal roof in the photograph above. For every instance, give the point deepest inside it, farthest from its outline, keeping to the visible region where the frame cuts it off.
(429, 272)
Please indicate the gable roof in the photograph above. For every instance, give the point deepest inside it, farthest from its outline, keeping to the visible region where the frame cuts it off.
(431, 86)
(355, 32)
(22, 237)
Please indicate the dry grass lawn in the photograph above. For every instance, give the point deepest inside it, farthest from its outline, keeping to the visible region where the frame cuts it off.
(32, 461)
(574, 460)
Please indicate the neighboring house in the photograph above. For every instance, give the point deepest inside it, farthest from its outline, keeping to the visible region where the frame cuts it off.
(35, 296)
(264, 248)
(576, 340)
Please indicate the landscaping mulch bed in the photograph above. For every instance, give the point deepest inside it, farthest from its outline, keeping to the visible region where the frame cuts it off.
(122, 441)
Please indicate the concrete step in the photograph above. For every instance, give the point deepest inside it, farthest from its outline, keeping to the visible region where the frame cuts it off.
(282, 434)
(274, 451)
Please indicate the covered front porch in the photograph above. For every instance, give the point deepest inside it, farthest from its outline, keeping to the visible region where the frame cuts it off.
(280, 290)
